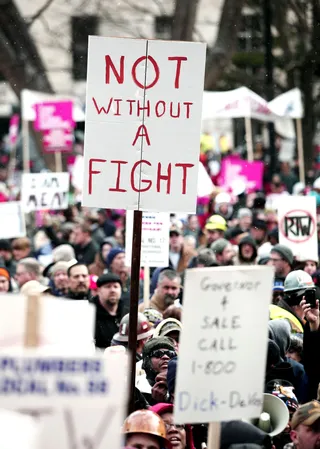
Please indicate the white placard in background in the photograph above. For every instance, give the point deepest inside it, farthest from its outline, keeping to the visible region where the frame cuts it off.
(143, 121)
(154, 239)
(44, 191)
(297, 221)
(80, 401)
(18, 431)
(12, 223)
(223, 346)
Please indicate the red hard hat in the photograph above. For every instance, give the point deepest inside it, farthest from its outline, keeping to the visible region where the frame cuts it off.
(144, 329)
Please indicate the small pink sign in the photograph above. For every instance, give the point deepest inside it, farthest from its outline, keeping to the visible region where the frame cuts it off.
(57, 140)
(54, 115)
(235, 169)
(14, 129)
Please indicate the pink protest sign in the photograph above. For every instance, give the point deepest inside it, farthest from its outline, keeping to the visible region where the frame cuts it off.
(234, 169)
(57, 140)
(13, 129)
(54, 115)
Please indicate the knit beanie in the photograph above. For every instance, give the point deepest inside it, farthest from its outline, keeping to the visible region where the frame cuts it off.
(219, 245)
(284, 252)
(112, 254)
(152, 345)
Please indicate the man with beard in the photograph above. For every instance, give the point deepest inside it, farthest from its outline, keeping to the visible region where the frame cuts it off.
(78, 275)
(109, 309)
(223, 251)
(305, 427)
(167, 291)
(247, 251)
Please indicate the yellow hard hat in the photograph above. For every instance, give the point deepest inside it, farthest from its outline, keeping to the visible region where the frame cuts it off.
(216, 223)
(146, 421)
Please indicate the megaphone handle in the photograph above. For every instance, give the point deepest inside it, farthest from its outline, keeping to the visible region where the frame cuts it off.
(214, 433)
(203, 445)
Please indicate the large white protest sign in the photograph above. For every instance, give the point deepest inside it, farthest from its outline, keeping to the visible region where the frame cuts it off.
(12, 223)
(297, 219)
(143, 122)
(79, 401)
(223, 345)
(154, 239)
(56, 317)
(44, 191)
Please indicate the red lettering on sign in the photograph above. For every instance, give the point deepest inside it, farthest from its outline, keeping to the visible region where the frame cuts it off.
(184, 175)
(163, 104)
(117, 100)
(109, 65)
(177, 115)
(179, 60)
(156, 69)
(145, 107)
(102, 109)
(162, 177)
(141, 132)
(131, 103)
(93, 172)
(145, 181)
(117, 187)
(188, 104)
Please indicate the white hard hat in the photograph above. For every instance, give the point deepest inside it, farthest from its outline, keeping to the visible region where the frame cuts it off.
(316, 184)
(298, 188)
(223, 197)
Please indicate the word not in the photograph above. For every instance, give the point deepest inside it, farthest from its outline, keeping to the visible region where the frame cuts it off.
(145, 109)
(38, 365)
(206, 284)
(161, 175)
(185, 401)
(214, 367)
(119, 74)
(229, 322)
(235, 400)
(217, 344)
(46, 199)
(298, 226)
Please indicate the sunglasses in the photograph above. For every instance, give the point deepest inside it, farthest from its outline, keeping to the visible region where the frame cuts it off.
(161, 353)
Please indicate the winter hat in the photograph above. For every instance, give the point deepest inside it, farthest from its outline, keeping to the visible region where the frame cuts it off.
(152, 345)
(239, 432)
(63, 253)
(171, 374)
(248, 240)
(5, 245)
(107, 278)
(219, 245)
(279, 332)
(112, 254)
(5, 273)
(59, 266)
(166, 326)
(284, 252)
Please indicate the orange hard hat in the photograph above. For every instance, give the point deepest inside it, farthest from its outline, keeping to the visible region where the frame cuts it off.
(146, 421)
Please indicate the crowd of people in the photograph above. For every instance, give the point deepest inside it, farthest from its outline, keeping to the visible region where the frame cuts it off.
(79, 254)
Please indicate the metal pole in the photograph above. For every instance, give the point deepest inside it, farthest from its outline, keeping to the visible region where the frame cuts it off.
(268, 58)
(134, 301)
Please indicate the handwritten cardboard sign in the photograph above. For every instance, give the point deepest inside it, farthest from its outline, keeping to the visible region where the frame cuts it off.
(223, 345)
(79, 401)
(143, 120)
(297, 218)
(43, 191)
(154, 239)
(12, 222)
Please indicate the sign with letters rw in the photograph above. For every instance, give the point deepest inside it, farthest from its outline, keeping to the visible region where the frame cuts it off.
(45, 191)
(297, 221)
(143, 120)
(223, 345)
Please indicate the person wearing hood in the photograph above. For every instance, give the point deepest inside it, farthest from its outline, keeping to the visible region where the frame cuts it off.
(99, 266)
(179, 435)
(247, 254)
(157, 353)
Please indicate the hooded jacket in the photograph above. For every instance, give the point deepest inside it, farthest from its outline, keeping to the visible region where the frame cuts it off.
(247, 240)
(163, 408)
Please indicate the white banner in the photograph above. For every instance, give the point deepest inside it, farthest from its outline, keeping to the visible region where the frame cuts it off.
(143, 124)
(297, 219)
(12, 223)
(45, 191)
(288, 105)
(223, 346)
(154, 239)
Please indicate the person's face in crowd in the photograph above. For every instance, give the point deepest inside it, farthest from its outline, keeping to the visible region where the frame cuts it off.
(293, 355)
(79, 279)
(101, 218)
(105, 250)
(4, 284)
(276, 297)
(247, 251)
(60, 279)
(78, 236)
(213, 235)
(175, 336)
(272, 220)
(160, 359)
(118, 263)
(306, 437)
(118, 235)
(6, 255)
(22, 275)
(310, 267)
(20, 253)
(278, 263)
(227, 255)
(109, 294)
(223, 208)
(193, 222)
(168, 290)
(276, 185)
(258, 234)
(143, 441)
(176, 433)
(245, 222)
(176, 241)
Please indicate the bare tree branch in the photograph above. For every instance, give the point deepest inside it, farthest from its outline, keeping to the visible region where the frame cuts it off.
(39, 13)
(184, 19)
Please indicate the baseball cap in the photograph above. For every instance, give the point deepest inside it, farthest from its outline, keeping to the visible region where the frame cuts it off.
(307, 414)
(166, 326)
